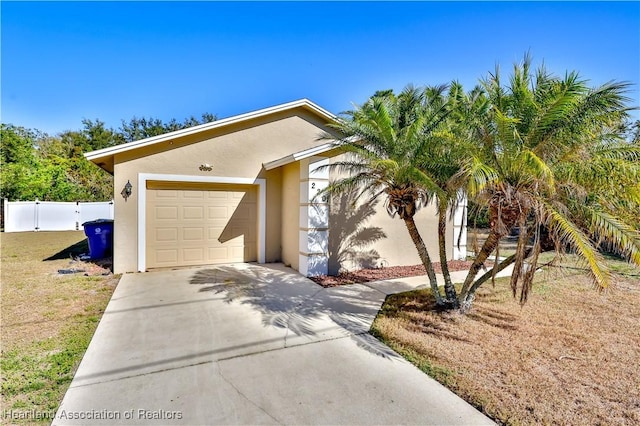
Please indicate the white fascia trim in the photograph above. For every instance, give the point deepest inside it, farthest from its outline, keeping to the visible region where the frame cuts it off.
(142, 207)
(297, 156)
(208, 126)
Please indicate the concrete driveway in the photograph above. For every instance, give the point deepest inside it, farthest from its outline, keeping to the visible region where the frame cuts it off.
(249, 344)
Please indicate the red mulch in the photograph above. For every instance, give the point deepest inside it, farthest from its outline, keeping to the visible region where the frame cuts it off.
(367, 275)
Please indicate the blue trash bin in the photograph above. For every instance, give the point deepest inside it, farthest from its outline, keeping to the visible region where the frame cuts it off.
(100, 235)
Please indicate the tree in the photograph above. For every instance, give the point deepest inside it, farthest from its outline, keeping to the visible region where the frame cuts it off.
(71, 177)
(53, 168)
(96, 136)
(633, 131)
(18, 144)
(555, 164)
(385, 139)
(549, 155)
(18, 161)
(142, 128)
(440, 160)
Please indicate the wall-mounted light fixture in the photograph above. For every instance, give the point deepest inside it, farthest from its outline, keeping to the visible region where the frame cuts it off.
(206, 167)
(126, 191)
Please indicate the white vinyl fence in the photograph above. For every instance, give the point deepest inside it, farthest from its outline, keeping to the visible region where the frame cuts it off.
(20, 216)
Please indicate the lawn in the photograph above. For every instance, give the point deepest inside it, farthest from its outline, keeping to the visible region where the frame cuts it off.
(569, 356)
(48, 319)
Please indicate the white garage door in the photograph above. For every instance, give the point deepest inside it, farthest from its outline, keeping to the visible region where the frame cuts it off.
(200, 224)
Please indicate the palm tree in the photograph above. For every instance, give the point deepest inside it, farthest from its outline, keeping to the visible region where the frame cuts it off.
(443, 155)
(385, 139)
(553, 162)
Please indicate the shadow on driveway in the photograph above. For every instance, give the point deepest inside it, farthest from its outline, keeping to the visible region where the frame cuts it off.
(289, 301)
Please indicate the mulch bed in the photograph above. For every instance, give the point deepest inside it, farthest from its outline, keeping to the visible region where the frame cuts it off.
(368, 275)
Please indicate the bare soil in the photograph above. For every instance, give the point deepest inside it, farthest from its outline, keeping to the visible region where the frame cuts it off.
(569, 356)
(368, 275)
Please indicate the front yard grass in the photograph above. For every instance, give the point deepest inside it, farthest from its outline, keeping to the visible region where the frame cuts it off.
(569, 356)
(48, 320)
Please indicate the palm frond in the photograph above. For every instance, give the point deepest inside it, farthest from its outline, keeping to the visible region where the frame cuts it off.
(568, 232)
(343, 167)
(616, 234)
(478, 175)
(530, 166)
(358, 184)
(554, 112)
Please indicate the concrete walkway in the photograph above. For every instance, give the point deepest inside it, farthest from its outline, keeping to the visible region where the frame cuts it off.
(250, 344)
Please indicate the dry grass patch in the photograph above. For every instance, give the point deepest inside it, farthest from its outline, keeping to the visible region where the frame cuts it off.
(48, 318)
(569, 356)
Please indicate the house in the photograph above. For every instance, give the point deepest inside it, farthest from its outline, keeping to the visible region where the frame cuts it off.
(242, 189)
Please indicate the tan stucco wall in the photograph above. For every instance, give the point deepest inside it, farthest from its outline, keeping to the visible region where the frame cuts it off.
(397, 248)
(274, 215)
(238, 152)
(125, 226)
(290, 214)
(380, 239)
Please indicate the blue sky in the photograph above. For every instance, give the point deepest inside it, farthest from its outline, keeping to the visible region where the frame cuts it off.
(62, 62)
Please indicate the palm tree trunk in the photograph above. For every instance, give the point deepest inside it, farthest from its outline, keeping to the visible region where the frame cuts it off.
(424, 257)
(523, 238)
(449, 289)
(465, 304)
(487, 248)
(502, 219)
(466, 300)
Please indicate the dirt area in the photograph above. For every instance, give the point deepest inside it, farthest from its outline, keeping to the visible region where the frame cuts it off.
(368, 275)
(569, 356)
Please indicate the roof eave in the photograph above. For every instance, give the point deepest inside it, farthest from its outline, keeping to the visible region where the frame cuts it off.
(94, 156)
(297, 156)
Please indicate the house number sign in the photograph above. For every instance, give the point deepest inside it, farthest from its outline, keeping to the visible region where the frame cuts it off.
(315, 189)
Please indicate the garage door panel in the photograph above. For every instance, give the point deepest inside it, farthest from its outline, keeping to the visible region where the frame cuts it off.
(219, 253)
(193, 234)
(193, 195)
(218, 212)
(166, 235)
(193, 212)
(219, 224)
(218, 194)
(240, 231)
(240, 214)
(193, 255)
(166, 212)
(166, 256)
(200, 224)
(235, 241)
(215, 232)
(167, 194)
(237, 252)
